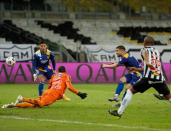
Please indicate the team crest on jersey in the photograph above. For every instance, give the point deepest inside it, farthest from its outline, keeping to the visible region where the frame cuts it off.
(44, 61)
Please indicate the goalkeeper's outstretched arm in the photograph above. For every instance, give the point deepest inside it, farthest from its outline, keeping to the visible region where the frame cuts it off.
(75, 91)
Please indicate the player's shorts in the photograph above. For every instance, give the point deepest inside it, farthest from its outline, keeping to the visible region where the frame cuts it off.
(144, 84)
(131, 78)
(46, 72)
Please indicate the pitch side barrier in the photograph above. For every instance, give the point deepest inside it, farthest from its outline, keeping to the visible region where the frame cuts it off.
(101, 53)
(21, 72)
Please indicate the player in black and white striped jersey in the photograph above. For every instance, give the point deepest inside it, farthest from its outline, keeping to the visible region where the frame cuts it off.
(154, 57)
(152, 69)
(152, 76)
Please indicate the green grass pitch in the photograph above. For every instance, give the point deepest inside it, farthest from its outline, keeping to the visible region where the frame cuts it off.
(145, 113)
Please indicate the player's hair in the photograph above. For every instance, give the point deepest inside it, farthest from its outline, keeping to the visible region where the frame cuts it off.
(42, 42)
(61, 69)
(121, 47)
(148, 40)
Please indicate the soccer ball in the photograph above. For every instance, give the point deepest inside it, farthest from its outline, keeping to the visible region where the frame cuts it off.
(10, 61)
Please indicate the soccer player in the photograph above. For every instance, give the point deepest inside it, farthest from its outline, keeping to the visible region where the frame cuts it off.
(58, 83)
(152, 76)
(41, 67)
(131, 77)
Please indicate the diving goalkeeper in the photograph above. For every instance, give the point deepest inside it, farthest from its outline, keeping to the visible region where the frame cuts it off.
(57, 85)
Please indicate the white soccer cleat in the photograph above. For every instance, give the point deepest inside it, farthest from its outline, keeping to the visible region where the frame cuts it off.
(11, 105)
(19, 99)
(4, 106)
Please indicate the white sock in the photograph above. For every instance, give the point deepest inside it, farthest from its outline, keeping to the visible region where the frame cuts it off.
(116, 95)
(125, 102)
(161, 95)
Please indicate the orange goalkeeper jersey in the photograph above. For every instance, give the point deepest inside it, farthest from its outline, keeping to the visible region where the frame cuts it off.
(60, 81)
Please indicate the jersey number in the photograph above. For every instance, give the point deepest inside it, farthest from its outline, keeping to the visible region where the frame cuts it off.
(56, 84)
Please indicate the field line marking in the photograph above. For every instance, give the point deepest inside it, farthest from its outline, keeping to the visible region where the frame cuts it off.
(83, 123)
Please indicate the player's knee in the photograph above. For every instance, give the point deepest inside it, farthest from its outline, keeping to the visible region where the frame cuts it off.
(168, 97)
(41, 78)
(132, 90)
(41, 103)
(123, 80)
(128, 86)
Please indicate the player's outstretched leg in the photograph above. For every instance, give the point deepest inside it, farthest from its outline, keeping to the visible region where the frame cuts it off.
(18, 103)
(19, 99)
(10, 105)
(124, 104)
(25, 105)
(117, 92)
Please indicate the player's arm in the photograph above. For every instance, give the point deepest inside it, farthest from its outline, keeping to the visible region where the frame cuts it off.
(113, 65)
(34, 67)
(52, 58)
(71, 88)
(75, 91)
(140, 69)
(34, 64)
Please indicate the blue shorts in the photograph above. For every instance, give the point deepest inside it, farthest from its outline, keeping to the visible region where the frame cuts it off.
(46, 73)
(132, 78)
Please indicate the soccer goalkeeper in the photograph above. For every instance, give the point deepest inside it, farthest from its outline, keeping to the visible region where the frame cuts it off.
(57, 85)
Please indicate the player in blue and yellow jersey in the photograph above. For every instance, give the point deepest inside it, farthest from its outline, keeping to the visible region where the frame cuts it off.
(131, 77)
(41, 65)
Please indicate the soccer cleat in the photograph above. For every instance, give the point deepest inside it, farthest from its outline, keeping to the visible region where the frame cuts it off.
(11, 105)
(114, 113)
(19, 99)
(113, 99)
(117, 105)
(158, 96)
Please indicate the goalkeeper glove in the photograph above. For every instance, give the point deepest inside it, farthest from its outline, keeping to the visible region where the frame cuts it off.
(82, 95)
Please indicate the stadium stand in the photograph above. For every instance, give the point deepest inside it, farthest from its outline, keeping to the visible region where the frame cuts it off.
(153, 6)
(17, 35)
(101, 32)
(3, 41)
(88, 5)
(97, 32)
(45, 33)
(66, 29)
(160, 32)
(20, 34)
(72, 34)
(39, 5)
